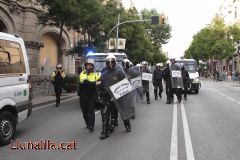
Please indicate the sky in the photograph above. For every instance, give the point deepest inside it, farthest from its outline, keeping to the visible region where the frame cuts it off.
(186, 18)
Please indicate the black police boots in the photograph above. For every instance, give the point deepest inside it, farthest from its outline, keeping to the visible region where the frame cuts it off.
(168, 101)
(104, 133)
(127, 125)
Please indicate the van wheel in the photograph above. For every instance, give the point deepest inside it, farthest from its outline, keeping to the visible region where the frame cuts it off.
(7, 127)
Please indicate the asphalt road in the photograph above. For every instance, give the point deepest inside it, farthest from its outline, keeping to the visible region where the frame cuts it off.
(205, 127)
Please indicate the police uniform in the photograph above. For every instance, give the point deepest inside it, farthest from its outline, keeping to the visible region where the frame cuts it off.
(88, 96)
(57, 80)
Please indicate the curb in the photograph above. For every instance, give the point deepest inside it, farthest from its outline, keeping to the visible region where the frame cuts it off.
(51, 101)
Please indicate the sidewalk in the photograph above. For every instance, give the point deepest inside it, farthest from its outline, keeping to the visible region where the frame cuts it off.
(227, 82)
(46, 99)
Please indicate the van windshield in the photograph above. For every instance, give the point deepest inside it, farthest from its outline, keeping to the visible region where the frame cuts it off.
(190, 66)
(11, 58)
(99, 61)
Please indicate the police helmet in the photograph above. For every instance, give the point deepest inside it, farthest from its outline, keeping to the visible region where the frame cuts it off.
(111, 61)
(126, 63)
(89, 61)
(144, 63)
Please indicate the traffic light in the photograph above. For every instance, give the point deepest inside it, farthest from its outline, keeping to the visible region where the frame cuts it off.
(162, 19)
(158, 20)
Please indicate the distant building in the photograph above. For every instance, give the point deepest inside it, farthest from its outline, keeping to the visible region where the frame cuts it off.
(20, 16)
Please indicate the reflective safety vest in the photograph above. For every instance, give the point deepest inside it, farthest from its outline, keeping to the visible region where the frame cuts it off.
(91, 77)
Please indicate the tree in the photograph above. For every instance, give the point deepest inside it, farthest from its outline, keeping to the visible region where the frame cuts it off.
(158, 33)
(212, 42)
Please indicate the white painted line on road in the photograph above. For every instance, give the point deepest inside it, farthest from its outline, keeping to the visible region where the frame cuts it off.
(50, 104)
(222, 94)
(231, 99)
(238, 102)
(188, 143)
(97, 112)
(174, 141)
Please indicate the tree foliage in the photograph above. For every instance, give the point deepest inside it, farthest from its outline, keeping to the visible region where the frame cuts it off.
(159, 34)
(214, 42)
(95, 19)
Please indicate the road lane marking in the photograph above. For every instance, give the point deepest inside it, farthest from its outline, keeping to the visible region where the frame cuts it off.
(222, 95)
(231, 99)
(188, 143)
(238, 102)
(51, 104)
(97, 112)
(174, 141)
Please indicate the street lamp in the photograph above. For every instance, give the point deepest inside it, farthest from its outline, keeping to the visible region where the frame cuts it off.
(153, 20)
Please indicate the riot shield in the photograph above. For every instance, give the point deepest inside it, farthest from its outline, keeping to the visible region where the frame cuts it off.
(176, 76)
(134, 75)
(119, 88)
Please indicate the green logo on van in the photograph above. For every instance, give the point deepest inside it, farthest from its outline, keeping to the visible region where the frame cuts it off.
(25, 92)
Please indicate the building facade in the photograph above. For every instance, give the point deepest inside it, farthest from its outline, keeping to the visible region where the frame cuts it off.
(20, 17)
(230, 12)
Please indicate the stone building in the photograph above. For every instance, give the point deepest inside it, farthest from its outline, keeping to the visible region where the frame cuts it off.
(20, 17)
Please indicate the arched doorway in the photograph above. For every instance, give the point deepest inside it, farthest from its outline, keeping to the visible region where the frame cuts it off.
(48, 54)
(3, 27)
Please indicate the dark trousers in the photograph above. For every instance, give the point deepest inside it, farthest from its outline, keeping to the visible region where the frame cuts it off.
(58, 92)
(106, 113)
(87, 103)
(184, 92)
(146, 91)
(178, 92)
(158, 87)
(114, 113)
(169, 91)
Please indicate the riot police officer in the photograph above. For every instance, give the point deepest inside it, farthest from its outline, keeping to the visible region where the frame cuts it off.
(111, 75)
(176, 79)
(167, 79)
(157, 81)
(128, 68)
(88, 81)
(186, 79)
(145, 83)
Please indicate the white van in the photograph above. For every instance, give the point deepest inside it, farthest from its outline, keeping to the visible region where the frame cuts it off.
(190, 65)
(15, 86)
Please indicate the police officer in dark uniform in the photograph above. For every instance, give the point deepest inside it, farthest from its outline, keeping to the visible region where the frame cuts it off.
(57, 79)
(176, 88)
(157, 81)
(111, 75)
(167, 79)
(88, 83)
(186, 79)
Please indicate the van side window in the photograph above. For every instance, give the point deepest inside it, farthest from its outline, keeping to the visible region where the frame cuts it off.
(11, 58)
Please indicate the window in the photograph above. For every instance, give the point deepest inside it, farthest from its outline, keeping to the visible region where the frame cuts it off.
(11, 58)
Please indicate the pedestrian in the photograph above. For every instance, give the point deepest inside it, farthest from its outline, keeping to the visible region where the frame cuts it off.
(186, 79)
(57, 77)
(145, 83)
(157, 81)
(89, 79)
(111, 75)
